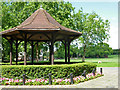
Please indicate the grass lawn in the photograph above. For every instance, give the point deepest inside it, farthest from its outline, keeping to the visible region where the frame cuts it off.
(111, 61)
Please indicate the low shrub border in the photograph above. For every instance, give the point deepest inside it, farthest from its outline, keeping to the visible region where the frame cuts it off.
(37, 71)
(76, 80)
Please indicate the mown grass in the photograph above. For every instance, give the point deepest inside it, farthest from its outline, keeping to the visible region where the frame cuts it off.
(111, 61)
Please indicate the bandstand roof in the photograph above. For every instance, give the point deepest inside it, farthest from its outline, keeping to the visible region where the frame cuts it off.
(39, 27)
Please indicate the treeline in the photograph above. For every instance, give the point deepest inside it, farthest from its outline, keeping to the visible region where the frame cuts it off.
(101, 50)
(116, 51)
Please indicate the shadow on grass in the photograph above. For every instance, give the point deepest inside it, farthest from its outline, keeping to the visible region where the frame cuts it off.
(48, 63)
(103, 62)
(44, 63)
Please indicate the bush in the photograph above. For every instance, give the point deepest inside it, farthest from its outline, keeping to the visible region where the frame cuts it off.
(36, 71)
(100, 50)
(116, 51)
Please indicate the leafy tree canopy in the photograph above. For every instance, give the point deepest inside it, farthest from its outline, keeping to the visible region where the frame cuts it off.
(94, 29)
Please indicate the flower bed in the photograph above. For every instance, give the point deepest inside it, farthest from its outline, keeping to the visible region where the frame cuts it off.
(67, 81)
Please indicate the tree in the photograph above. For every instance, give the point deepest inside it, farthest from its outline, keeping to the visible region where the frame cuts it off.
(116, 51)
(94, 29)
(100, 50)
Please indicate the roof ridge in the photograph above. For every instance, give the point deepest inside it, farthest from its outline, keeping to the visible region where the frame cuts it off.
(49, 21)
(31, 20)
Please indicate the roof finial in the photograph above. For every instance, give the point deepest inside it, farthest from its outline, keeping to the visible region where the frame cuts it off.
(41, 7)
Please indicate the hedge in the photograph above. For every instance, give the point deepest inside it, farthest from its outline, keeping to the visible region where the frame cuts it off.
(37, 71)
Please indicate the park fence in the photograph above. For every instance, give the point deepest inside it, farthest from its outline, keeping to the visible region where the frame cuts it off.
(71, 76)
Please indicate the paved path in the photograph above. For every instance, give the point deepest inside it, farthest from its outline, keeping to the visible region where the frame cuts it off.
(109, 80)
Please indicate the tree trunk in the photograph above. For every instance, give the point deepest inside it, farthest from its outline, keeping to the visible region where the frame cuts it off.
(3, 57)
(77, 55)
(84, 51)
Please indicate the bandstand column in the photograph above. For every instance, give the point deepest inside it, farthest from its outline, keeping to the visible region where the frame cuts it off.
(52, 50)
(11, 44)
(25, 50)
(32, 51)
(68, 51)
(16, 51)
(65, 51)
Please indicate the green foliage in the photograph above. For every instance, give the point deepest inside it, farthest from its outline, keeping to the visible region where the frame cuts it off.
(116, 51)
(74, 50)
(58, 71)
(60, 51)
(97, 51)
(94, 29)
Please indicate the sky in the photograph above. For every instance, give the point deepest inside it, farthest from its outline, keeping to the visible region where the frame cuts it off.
(106, 10)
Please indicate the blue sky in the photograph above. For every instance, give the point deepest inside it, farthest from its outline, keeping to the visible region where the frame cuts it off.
(107, 10)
